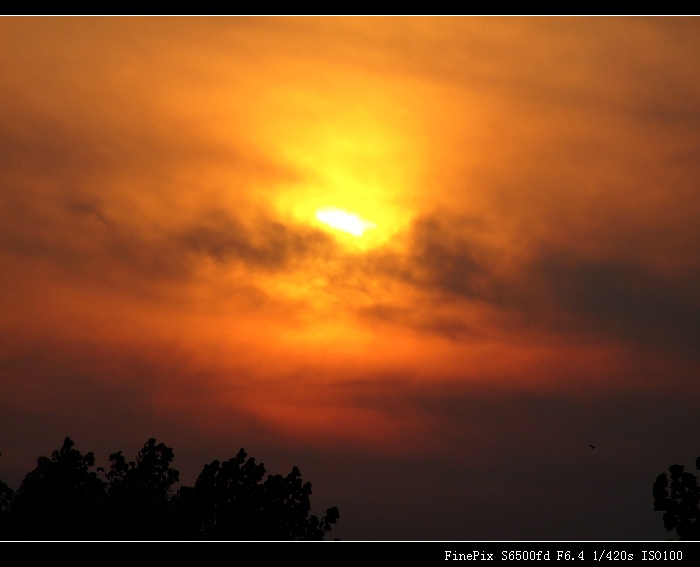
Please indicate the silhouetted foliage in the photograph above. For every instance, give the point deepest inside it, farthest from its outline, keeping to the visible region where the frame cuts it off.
(64, 499)
(680, 505)
(6, 494)
(56, 499)
(138, 504)
(232, 503)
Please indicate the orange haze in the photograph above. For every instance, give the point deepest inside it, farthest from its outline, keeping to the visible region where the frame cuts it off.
(533, 182)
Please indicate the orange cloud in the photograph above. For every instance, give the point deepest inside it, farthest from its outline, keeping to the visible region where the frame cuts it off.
(531, 182)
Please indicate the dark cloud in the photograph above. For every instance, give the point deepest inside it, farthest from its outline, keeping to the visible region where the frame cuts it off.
(447, 257)
(450, 260)
(269, 244)
(91, 244)
(98, 204)
(613, 296)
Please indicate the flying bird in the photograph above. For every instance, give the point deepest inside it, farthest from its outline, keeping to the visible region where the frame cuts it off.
(592, 446)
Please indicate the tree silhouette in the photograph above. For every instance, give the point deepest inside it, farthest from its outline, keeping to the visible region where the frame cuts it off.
(64, 499)
(233, 503)
(56, 498)
(680, 505)
(6, 494)
(138, 504)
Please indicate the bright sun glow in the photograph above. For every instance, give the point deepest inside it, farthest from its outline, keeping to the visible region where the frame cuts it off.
(343, 220)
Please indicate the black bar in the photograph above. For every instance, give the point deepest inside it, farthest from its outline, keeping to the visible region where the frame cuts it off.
(419, 553)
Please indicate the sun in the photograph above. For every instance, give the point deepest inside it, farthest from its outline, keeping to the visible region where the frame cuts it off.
(344, 220)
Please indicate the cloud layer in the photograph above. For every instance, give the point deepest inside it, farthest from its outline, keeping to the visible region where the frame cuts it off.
(530, 288)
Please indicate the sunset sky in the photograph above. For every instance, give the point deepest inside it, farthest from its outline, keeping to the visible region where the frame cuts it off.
(427, 260)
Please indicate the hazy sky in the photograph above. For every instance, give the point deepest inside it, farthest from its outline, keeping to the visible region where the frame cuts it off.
(526, 282)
